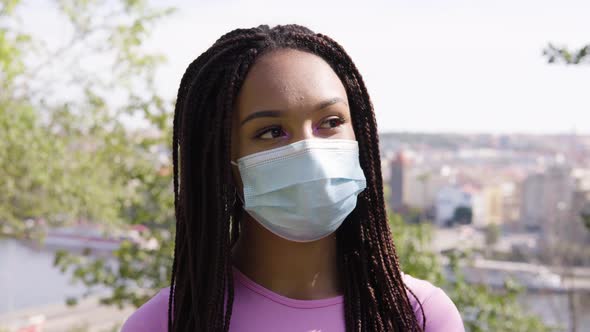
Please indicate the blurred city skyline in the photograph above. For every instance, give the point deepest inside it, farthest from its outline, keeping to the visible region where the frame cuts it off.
(452, 66)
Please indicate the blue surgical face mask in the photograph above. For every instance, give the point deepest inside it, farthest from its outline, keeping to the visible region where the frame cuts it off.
(303, 191)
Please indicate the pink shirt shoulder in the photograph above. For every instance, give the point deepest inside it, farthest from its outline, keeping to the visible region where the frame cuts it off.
(151, 316)
(441, 313)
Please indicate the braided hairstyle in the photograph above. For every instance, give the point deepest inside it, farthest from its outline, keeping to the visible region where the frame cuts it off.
(207, 212)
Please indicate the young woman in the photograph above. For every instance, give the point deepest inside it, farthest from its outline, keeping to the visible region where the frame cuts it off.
(281, 222)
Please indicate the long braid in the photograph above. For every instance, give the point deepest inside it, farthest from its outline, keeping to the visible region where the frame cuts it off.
(383, 229)
(201, 292)
(244, 62)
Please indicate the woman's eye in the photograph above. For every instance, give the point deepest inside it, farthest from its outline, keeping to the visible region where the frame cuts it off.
(271, 133)
(332, 123)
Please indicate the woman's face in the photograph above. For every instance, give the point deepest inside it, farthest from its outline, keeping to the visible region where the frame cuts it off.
(288, 96)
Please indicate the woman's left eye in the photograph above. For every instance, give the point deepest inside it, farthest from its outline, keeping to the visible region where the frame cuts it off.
(332, 123)
(270, 133)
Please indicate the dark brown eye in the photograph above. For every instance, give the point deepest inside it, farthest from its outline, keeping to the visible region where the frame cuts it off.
(332, 123)
(270, 133)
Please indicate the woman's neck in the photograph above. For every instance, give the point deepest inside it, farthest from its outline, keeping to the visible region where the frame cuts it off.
(305, 271)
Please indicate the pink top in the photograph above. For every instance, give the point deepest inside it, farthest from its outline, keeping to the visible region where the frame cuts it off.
(258, 309)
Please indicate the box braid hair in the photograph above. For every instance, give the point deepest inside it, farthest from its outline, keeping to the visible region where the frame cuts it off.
(207, 212)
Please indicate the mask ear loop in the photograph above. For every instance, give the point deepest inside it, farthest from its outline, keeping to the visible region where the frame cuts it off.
(233, 203)
(236, 190)
(235, 216)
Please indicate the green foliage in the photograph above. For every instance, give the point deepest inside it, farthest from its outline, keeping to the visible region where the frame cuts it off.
(482, 308)
(413, 246)
(67, 156)
(567, 56)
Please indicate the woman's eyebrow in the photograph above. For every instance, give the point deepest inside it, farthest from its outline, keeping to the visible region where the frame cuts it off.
(277, 113)
(262, 114)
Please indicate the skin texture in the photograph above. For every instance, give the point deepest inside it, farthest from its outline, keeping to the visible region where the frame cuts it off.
(296, 84)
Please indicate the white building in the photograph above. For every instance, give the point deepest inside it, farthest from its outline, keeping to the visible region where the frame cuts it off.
(423, 184)
(448, 199)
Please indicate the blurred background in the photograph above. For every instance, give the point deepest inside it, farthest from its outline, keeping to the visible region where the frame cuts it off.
(483, 110)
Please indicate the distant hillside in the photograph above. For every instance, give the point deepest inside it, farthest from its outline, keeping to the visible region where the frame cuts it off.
(451, 141)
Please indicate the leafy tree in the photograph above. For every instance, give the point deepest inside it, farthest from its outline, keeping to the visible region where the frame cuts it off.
(482, 308)
(556, 54)
(27, 163)
(65, 154)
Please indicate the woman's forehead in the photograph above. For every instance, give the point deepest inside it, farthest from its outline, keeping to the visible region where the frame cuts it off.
(288, 79)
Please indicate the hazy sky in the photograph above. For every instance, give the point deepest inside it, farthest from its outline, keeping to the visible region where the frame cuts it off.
(465, 66)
